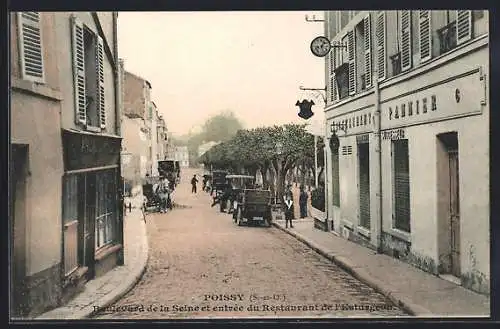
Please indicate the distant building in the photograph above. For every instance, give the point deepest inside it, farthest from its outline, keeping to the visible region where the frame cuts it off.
(135, 128)
(182, 155)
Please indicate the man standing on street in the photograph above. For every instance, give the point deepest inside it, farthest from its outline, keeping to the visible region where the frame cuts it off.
(288, 205)
(303, 202)
(288, 209)
(193, 183)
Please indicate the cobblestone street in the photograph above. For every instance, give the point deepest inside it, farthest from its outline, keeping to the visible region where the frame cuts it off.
(201, 264)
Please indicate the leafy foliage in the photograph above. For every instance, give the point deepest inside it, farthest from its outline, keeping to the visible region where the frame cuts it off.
(252, 149)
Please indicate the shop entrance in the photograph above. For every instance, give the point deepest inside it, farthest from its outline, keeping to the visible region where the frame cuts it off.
(449, 203)
(18, 190)
(364, 184)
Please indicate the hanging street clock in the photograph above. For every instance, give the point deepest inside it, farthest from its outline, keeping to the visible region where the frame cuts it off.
(320, 46)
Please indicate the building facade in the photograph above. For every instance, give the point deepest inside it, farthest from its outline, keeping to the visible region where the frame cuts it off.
(407, 100)
(162, 138)
(182, 155)
(65, 128)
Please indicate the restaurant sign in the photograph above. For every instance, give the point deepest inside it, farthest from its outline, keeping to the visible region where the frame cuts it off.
(456, 96)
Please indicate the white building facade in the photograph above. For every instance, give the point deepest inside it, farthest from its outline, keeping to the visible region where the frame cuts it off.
(407, 97)
(182, 155)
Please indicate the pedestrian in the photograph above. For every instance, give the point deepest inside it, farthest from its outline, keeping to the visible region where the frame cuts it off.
(193, 183)
(303, 202)
(288, 198)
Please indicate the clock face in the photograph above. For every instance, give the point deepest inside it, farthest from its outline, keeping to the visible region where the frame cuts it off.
(320, 46)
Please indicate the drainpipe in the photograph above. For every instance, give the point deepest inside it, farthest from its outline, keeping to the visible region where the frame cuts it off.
(117, 76)
(327, 160)
(378, 150)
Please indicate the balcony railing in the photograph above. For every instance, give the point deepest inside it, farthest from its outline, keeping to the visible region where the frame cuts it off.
(447, 37)
(396, 63)
(342, 78)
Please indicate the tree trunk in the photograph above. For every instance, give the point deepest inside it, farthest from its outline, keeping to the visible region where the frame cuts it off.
(265, 183)
(271, 185)
(281, 186)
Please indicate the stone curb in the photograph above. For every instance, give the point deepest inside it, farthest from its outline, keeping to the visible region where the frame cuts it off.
(133, 277)
(359, 273)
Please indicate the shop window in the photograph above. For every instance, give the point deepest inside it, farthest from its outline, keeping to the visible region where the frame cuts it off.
(401, 185)
(70, 202)
(106, 208)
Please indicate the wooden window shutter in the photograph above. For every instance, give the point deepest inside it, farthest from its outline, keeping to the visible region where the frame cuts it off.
(333, 84)
(424, 34)
(79, 71)
(405, 30)
(464, 26)
(352, 61)
(368, 50)
(381, 58)
(30, 46)
(99, 59)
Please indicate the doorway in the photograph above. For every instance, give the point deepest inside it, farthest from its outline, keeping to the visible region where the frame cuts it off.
(449, 204)
(364, 184)
(18, 198)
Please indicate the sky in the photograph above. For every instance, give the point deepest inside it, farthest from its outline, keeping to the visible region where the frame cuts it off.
(202, 63)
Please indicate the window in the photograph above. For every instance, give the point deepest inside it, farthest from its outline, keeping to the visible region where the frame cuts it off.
(70, 201)
(401, 185)
(405, 39)
(88, 64)
(381, 46)
(106, 207)
(30, 46)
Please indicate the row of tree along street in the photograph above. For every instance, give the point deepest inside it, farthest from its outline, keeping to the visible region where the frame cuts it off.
(276, 151)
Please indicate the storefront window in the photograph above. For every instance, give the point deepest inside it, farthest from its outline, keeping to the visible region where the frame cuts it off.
(106, 207)
(70, 219)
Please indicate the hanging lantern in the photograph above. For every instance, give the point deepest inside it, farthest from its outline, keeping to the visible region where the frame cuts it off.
(334, 143)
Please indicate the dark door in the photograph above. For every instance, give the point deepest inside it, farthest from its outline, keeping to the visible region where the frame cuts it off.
(18, 226)
(454, 212)
(89, 225)
(364, 185)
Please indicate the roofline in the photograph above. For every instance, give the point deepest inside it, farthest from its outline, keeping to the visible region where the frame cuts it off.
(139, 77)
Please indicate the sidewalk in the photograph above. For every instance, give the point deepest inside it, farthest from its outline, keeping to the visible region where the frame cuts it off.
(417, 292)
(113, 285)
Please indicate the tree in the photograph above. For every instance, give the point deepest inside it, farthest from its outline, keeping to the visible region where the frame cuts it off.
(221, 127)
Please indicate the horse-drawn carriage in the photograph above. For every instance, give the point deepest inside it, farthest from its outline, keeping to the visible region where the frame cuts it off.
(152, 196)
